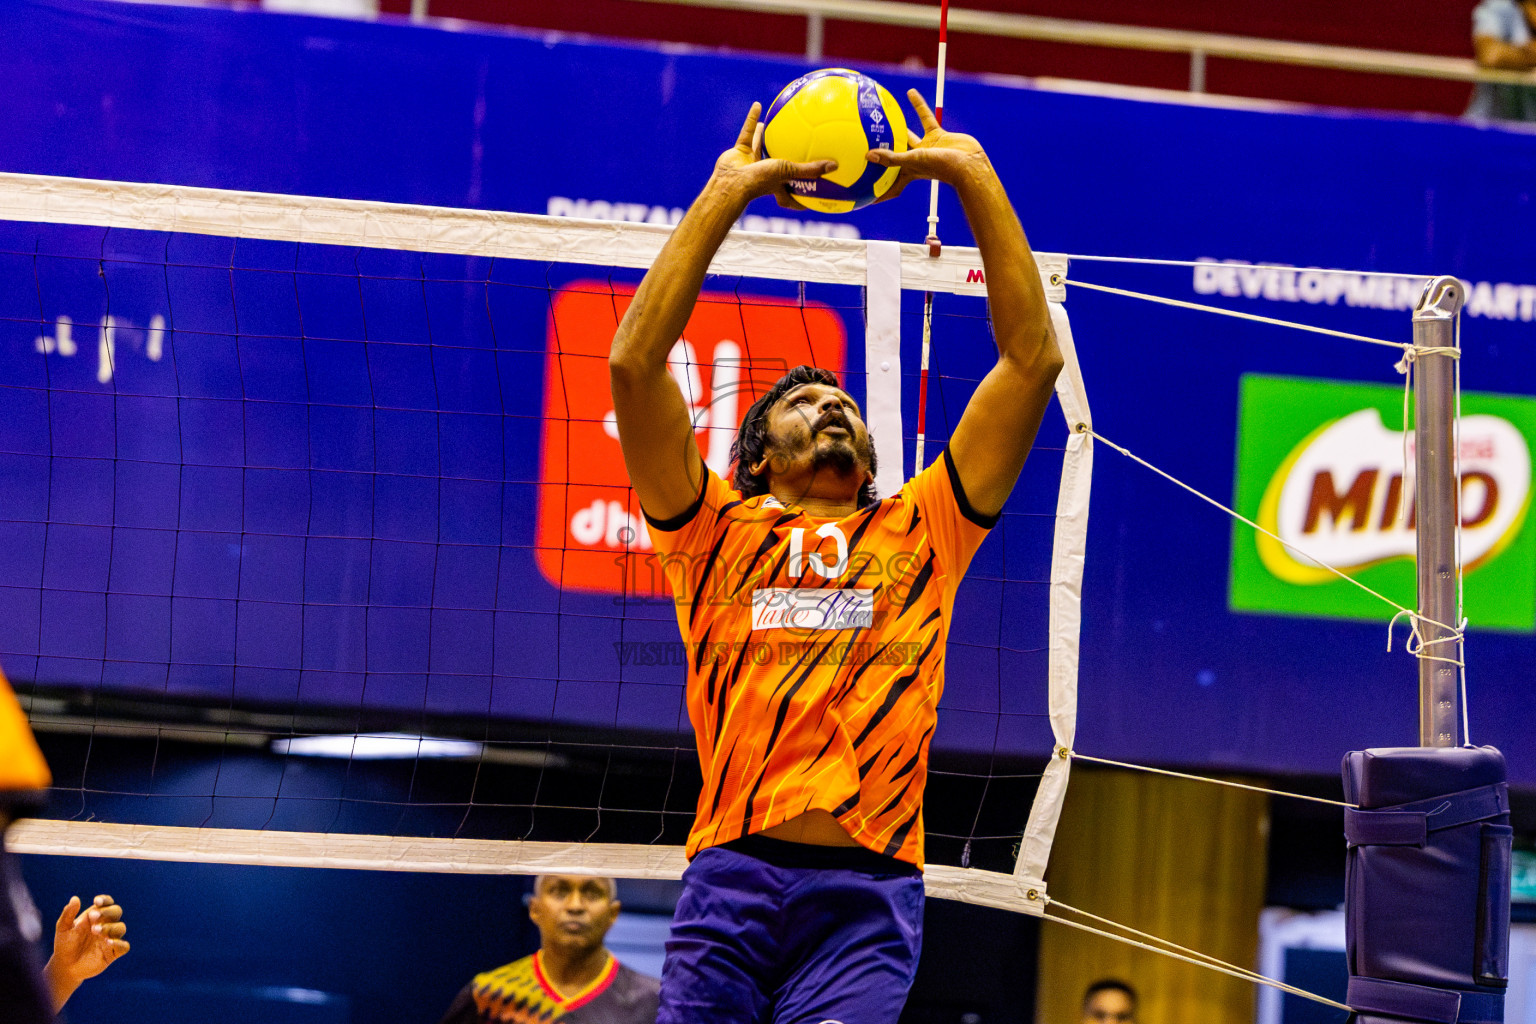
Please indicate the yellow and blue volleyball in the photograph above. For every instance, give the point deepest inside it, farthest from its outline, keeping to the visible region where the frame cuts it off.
(836, 114)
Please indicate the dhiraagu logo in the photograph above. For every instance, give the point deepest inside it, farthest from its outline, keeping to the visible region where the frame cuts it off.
(1320, 464)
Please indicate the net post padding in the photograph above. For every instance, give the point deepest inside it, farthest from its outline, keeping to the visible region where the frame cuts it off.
(1427, 883)
(1068, 554)
(404, 853)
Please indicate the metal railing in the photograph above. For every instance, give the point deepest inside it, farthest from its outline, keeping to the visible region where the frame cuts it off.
(1198, 45)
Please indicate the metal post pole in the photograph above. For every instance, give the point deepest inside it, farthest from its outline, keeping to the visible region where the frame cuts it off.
(1197, 70)
(1437, 505)
(815, 29)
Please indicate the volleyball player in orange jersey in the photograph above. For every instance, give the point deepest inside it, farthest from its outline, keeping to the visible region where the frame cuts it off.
(803, 900)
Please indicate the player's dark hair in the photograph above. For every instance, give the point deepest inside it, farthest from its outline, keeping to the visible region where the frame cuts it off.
(1110, 985)
(752, 439)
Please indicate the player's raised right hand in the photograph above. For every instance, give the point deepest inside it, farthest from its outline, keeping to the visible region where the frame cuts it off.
(86, 941)
(743, 169)
(951, 157)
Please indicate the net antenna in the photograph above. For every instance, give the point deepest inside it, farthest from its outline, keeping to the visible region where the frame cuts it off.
(159, 225)
(935, 247)
(1068, 550)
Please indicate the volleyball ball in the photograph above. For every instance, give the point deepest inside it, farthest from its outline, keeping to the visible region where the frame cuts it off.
(836, 114)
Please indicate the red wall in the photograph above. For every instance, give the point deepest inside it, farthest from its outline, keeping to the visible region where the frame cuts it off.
(1422, 27)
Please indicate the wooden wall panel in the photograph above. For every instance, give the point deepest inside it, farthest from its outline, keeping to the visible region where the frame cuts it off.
(1181, 860)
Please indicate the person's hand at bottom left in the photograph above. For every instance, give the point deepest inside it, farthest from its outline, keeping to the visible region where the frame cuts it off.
(85, 942)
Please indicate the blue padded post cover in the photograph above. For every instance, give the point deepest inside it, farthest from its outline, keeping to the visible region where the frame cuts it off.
(1427, 884)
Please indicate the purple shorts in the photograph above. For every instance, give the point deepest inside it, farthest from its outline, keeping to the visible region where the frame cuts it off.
(769, 932)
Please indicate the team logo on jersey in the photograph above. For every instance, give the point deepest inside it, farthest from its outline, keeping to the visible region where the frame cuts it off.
(812, 608)
(1321, 465)
(590, 533)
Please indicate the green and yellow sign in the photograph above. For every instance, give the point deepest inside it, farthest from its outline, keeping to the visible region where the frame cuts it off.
(1324, 465)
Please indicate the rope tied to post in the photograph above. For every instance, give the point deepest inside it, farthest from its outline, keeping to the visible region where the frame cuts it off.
(1417, 642)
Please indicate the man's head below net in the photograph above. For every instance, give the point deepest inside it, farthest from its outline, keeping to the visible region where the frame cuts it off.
(805, 435)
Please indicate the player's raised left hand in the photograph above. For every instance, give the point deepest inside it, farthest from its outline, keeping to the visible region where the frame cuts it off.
(948, 156)
(743, 168)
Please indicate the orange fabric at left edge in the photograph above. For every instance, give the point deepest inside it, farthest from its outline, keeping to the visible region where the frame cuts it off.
(22, 768)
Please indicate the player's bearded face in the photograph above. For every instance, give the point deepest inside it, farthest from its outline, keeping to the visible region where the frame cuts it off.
(818, 428)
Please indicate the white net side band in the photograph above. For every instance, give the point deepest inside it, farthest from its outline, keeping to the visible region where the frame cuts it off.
(1068, 556)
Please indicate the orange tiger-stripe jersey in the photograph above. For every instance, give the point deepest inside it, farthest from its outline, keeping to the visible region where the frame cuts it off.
(816, 654)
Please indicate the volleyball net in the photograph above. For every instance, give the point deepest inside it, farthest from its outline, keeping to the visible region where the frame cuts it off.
(319, 548)
(320, 551)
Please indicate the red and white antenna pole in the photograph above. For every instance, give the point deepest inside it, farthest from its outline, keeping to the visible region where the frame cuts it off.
(938, 112)
(935, 247)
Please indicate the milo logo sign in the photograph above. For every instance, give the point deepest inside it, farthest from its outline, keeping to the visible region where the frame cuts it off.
(1321, 465)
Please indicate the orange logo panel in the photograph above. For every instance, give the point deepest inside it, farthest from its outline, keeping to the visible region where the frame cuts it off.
(590, 534)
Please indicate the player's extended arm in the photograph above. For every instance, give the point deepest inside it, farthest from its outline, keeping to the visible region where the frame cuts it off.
(994, 435)
(654, 429)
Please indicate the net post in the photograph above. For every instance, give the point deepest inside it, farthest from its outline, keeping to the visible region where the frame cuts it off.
(1434, 397)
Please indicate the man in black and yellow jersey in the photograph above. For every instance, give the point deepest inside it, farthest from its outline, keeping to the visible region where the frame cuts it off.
(572, 978)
